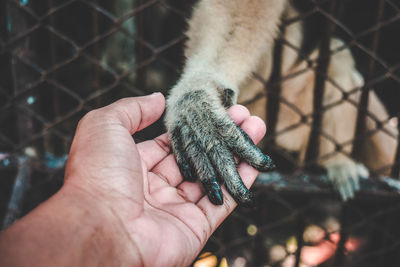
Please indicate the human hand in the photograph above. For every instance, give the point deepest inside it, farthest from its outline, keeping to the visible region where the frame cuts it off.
(122, 204)
(168, 219)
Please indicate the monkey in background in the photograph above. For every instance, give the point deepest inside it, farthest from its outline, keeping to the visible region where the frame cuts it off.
(230, 39)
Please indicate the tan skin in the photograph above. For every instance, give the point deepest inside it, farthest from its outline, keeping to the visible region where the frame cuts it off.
(122, 204)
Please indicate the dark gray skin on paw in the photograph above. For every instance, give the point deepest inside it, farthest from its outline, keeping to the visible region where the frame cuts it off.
(226, 96)
(205, 140)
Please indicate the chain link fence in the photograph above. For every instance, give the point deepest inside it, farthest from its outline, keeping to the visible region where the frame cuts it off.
(61, 58)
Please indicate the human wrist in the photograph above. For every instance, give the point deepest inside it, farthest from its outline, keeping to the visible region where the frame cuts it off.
(104, 238)
(106, 235)
(68, 229)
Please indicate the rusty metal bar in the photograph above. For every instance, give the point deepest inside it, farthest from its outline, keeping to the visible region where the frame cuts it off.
(96, 52)
(54, 95)
(320, 78)
(273, 90)
(300, 241)
(384, 240)
(260, 258)
(139, 48)
(5, 57)
(53, 49)
(363, 105)
(3, 25)
(344, 235)
(314, 184)
(396, 164)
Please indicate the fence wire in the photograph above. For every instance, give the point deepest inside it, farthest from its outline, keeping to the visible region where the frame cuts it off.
(62, 58)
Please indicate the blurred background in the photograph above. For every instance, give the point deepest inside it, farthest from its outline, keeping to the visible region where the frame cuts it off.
(60, 59)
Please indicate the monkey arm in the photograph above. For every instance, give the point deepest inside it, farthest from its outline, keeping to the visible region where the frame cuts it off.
(379, 152)
(226, 40)
(339, 122)
(343, 172)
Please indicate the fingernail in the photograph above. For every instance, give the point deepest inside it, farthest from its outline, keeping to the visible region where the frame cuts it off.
(156, 94)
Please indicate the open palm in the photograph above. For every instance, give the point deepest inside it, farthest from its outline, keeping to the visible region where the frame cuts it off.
(166, 219)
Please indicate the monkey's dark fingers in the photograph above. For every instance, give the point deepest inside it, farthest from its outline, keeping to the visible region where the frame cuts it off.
(249, 152)
(221, 157)
(181, 156)
(194, 155)
(241, 144)
(226, 168)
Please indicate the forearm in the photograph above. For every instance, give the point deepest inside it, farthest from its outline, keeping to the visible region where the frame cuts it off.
(67, 231)
(227, 41)
(228, 38)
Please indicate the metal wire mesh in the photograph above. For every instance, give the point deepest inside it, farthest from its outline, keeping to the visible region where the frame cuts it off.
(60, 59)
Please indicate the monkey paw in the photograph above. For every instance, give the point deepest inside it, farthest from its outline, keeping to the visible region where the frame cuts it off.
(205, 139)
(345, 176)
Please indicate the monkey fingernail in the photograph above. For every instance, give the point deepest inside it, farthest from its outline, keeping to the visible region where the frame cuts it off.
(214, 192)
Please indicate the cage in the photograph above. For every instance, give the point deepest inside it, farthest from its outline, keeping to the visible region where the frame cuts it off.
(61, 59)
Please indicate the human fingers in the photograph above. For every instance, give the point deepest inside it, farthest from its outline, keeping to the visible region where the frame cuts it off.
(238, 113)
(103, 138)
(155, 150)
(136, 113)
(133, 113)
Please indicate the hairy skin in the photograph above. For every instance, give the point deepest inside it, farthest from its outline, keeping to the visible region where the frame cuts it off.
(230, 39)
(203, 142)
